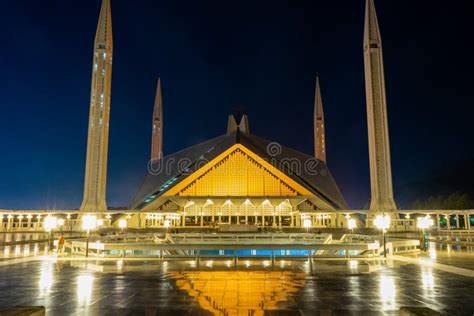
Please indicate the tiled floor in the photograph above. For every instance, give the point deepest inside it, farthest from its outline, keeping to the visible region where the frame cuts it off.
(349, 288)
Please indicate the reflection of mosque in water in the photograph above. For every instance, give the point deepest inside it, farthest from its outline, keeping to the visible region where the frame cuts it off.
(240, 292)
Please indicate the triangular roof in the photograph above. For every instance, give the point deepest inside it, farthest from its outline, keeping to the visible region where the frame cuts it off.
(318, 180)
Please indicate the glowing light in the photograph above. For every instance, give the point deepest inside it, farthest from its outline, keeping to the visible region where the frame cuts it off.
(100, 222)
(84, 289)
(387, 292)
(351, 223)
(50, 223)
(122, 223)
(26, 250)
(108, 216)
(307, 223)
(353, 264)
(89, 222)
(382, 221)
(424, 222)
(6, 252)
(167, 223)
(60, 222)
(427, 280)
(46, 277)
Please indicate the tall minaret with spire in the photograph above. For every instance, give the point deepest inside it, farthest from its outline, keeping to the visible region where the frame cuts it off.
(157, 136)
(99, 111)
(379, 144)
(319, 129)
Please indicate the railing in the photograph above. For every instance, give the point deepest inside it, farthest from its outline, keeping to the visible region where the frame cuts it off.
(252, 238)
(351, 238)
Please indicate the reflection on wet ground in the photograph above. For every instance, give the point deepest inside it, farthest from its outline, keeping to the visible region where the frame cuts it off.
(216, 287)
(178, 288)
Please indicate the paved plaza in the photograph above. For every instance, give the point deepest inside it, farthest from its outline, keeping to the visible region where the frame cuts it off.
(347, 287)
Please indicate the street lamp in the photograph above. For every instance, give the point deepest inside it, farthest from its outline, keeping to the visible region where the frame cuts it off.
(382, 222)
(351, 224)
(424, 223)
(50, 223)
(89, 222)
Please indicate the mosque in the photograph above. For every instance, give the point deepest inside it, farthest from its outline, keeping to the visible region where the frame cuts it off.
(238, 177)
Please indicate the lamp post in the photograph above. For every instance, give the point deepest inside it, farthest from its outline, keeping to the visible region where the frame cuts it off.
(382, 222)
(424, 223)
(50, 223)
(89, 222)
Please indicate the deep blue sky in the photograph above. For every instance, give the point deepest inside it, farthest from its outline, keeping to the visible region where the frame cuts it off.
(211, 56)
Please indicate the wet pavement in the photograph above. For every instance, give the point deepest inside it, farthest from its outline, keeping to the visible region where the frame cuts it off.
(176, 288)
(216, 287)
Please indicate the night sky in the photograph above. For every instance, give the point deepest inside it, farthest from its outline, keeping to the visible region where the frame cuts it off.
(212, 56)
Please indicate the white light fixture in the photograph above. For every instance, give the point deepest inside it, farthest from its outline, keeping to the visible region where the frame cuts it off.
(122, 223)
(351, 223)
(382, 222)
(50, 223)
(424, 222)
(89, 222)
(100, 222)
(60, 222)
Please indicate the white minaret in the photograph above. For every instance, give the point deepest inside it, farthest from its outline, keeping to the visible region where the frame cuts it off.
(379, 144)
(319, 129)
(99, 111)
(157, 136)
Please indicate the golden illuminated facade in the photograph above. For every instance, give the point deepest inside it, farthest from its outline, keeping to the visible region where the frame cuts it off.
(98, 133)
(379, 144)
(237, 178)
(319, 129)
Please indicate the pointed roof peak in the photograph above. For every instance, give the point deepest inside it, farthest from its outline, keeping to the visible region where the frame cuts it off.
(104, 26)
(372, 30)
(242, 127)
(318, 100)
(231, 125)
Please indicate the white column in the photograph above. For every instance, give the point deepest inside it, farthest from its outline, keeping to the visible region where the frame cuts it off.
(457, 221)
(437, 221)
(448, 221)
